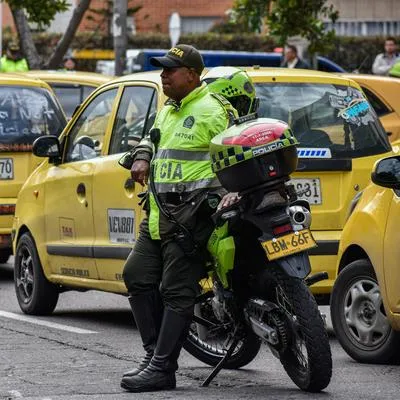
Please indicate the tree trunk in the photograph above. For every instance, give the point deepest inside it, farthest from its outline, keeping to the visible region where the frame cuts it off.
(65, 41)
(25, 37)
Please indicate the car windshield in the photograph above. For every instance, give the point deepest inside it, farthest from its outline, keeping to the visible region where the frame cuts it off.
(25, 114)
(330, 121)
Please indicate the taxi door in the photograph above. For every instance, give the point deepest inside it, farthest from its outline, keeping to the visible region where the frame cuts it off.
(391, 254)
(69, 191)
(117, 214)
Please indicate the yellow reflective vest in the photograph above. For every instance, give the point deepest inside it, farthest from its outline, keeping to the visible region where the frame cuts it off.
(7, 65)
(182, 162)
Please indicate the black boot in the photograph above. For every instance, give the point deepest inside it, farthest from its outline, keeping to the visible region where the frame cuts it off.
(147, 310)
(160, 373)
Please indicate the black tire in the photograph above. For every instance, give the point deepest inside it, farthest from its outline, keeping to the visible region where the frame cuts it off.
(5, 255)
(210, 349)
(307, 359)
(35, 294)
(359, 318)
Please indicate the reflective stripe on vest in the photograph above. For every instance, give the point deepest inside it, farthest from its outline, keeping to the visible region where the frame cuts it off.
(187, 186)
(186, 155)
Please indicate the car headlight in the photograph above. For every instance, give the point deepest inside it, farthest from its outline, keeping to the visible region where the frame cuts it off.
(353, 204)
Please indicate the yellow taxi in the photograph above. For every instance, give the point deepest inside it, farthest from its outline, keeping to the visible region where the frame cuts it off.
(77, 216)
(365, 303)
(28, 110)
(382, 94)
(71, 87)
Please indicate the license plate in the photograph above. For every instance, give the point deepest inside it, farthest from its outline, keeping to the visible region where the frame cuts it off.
(289, 244)
(6, 168)
(308, 189)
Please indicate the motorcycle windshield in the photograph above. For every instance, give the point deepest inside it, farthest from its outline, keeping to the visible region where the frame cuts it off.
(25, 114)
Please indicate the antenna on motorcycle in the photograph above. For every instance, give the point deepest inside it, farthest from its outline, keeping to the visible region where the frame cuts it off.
(246, 118)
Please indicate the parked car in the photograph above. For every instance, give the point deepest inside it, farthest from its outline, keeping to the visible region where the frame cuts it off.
(28, 109)
(216, 58)
(71, 87)
(365, 306)
(382, 93)
(79, 229)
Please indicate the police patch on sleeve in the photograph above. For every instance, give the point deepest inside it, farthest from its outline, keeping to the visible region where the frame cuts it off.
(188, 122)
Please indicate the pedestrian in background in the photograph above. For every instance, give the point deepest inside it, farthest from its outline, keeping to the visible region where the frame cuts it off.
(292, 60)
(385, 61)
(69, 63)
(13, 61)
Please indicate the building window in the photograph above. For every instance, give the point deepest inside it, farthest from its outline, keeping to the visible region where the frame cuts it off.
(198, 24)
(365, 28)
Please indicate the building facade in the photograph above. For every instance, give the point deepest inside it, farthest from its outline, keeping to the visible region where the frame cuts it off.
(367, 17)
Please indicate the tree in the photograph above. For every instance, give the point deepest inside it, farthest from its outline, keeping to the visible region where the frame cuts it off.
(42, 12)
(286, 18)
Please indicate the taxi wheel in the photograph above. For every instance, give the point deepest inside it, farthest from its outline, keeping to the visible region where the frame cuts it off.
(359, 318)
(35, 294)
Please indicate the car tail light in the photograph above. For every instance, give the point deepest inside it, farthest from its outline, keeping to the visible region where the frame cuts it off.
(7, 209)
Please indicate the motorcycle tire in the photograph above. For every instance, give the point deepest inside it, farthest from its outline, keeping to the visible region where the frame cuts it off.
(210, 351)
(311, 371)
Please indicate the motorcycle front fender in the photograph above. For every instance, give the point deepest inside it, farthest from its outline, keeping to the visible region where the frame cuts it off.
(297, 265)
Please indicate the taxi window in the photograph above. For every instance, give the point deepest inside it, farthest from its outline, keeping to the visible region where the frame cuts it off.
(379, 107)
(336, 118)
(86, 137)
(136, 114)
(25, 114)
(70, 95)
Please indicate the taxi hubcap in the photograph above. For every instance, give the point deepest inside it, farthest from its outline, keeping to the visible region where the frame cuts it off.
(25, 279)
(364, 313)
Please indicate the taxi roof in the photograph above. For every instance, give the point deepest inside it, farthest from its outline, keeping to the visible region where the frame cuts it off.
(62, 76)
(259, 75)
(10, 78)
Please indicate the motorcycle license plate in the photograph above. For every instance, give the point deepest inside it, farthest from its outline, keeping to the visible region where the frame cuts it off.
(287, 245)
(6, 168)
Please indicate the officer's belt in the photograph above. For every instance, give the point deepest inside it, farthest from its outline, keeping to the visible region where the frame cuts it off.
(174, 198)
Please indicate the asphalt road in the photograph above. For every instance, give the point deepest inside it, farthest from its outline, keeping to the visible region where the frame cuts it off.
(81, 351)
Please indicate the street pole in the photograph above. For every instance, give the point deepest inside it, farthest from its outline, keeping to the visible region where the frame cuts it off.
(119, 33)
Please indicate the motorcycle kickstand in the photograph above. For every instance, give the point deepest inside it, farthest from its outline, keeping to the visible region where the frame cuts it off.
(226, 357)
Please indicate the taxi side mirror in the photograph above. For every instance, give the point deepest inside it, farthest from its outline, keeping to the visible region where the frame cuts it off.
(47, 146)
(386, 172)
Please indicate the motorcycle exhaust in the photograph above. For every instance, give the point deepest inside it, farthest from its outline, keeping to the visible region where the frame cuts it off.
(300, 216)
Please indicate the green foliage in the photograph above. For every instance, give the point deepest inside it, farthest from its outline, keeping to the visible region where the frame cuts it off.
(40, 11)
(348, 52)
(250, 14)
(303, 18)
(286, 18)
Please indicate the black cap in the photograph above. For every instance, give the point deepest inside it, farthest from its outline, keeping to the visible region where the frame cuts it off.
(182, 55)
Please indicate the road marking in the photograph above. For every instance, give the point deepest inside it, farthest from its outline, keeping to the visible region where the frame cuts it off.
(36, 321)
(15, 394)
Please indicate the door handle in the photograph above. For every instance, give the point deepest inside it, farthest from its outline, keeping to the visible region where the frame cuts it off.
(129, 184)
(81, 192)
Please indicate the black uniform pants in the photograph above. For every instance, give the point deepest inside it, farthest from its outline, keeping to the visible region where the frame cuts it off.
(162, 264)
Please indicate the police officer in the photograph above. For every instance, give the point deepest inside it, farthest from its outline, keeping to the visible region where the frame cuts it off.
(13, 61)
(164, 268)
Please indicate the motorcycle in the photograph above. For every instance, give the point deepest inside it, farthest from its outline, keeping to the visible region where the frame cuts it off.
(257, 289)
